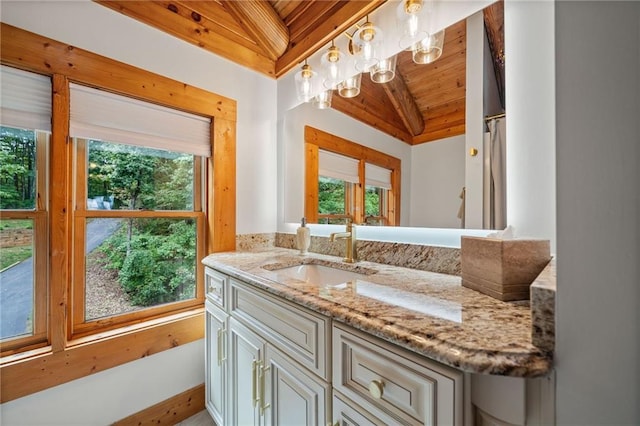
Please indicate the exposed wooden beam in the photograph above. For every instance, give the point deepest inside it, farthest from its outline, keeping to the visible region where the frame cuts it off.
(361, 112)
(399, 95)
(350, 13)
(212, 32)
(261, 20)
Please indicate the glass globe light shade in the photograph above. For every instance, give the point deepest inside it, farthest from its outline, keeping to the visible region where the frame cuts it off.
(304, 81)
(350, 88)
(323, 99)
(429, 49)
(384, 71)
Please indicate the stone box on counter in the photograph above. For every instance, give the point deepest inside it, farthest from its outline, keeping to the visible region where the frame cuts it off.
(503, 269)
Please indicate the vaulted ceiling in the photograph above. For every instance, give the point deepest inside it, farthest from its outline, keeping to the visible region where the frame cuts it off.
(422, 103)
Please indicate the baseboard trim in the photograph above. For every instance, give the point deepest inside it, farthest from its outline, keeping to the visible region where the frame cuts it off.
(170, 411)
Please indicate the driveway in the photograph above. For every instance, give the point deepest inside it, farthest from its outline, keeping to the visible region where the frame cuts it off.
(16, 284)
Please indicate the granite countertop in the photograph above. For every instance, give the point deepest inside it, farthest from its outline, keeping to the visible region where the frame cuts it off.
(426, 312)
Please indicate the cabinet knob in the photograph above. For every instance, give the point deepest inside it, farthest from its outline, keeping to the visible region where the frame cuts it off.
(376, 388)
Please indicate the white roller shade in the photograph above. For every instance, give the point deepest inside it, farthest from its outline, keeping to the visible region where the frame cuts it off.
(25, 99)
(96, 114)
(377, 176)
(338, 166)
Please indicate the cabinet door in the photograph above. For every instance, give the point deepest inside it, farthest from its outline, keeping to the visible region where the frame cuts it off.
(291, 395)
(246, 351)
(215, 362)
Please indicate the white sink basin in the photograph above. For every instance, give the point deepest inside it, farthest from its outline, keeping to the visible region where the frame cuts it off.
(318, 274)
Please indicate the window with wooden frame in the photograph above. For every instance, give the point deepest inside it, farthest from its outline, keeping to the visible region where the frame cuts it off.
(77, 197)
(25, 119)
(139, 224)
(345, 180)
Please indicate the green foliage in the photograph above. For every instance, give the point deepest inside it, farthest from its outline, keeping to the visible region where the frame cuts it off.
(16, 224)
(11, 255)
(140, 178)
(156, 267)
(17, 168)
(331, 196)
(372, 201)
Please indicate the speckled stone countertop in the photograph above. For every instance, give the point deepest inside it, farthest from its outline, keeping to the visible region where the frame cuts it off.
(426, 312)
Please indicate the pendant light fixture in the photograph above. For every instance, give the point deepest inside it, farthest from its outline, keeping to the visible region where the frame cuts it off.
(323, 99)
(366, 42)
(412, 17)
(367, 46)
(305, 79)
(429, 49)
(350, 88)
(384, 70)
(332, 64)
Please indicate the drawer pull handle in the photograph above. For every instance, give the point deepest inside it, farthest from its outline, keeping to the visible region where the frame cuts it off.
(221, 349)
(376, 388)
(254, 381)
(263, 371)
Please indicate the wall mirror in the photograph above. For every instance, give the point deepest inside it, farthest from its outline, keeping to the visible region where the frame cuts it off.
(437, 165)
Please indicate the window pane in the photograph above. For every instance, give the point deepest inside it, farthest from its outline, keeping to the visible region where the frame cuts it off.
(16, 277)
(130, 177)
(374, 205)
(373, 201)
(136, 263)
(331, 196)
(17, 168)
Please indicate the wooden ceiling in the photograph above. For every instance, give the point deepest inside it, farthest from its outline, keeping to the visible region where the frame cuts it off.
(422, 103)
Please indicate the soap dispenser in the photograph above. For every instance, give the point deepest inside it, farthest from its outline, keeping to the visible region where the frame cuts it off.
(303, 237)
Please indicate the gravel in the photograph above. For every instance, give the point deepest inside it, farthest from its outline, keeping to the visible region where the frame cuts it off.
(104, 295)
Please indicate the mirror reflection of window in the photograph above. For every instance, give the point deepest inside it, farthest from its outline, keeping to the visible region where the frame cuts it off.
(335, 201)
(376, 194)
(348, 181)
(338, 176)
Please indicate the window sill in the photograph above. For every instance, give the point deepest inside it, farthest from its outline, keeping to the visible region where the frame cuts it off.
(39, 369)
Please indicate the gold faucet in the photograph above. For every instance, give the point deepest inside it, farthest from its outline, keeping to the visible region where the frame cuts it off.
(350, 236)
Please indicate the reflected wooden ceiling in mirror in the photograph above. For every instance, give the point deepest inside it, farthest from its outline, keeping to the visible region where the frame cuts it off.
(421, 104)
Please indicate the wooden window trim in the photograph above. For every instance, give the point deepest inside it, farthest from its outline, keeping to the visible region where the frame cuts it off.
(64, 359)
(315, 140)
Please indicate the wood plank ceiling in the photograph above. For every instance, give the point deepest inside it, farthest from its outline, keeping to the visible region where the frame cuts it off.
(422, 103)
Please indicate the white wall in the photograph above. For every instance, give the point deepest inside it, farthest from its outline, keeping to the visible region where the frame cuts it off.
(437, 173)
(530, 107)
(118, 392)
(108, 396)
(598, 158)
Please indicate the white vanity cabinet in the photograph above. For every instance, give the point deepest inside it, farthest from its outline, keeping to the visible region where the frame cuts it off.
(216, 326)
(394, 385)
(272, 362)
(275, 357)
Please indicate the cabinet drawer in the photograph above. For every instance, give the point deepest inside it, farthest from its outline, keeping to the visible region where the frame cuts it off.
(301, 334)
(216, 285)
(380, 376)
(348, 413)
